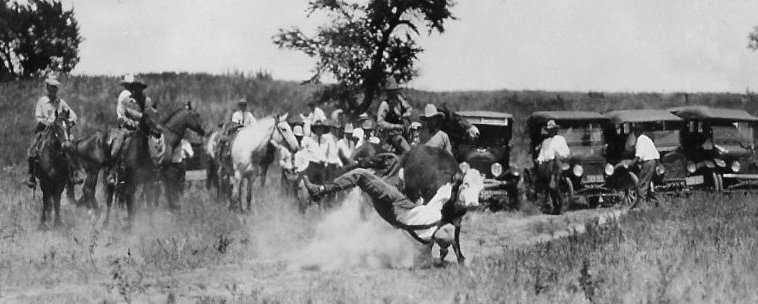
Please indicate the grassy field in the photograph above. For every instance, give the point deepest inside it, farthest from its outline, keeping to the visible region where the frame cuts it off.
(695, 250)
(699, 249)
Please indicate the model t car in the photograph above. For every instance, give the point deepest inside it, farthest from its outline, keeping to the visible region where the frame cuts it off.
(662, 128)
(490, 154)
(720, 148)
(587, 177)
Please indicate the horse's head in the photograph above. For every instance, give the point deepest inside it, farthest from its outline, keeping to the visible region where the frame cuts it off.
(61, 128)
(471, 183)
(283, 134)
(185, 118)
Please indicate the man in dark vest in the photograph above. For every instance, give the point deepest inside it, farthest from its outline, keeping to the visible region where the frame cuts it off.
(391, 117)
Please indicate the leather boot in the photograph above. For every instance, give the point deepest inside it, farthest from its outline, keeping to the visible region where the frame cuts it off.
(31, 182)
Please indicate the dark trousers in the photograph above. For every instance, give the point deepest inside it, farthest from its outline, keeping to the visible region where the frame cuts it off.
(387, 199)
(647, 169)
(548, 177)
(399, 143)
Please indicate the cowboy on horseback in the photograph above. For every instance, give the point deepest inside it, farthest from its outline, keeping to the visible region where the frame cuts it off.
(391, 117)
(48, 107)
(130, 107)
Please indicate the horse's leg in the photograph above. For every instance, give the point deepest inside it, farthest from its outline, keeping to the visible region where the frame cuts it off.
(249, 186)
(57, 205)
(236, 191)
(45, 208)
(88, 190)
(110, 192)
(457, 245)
(129, 193)
(70, 195)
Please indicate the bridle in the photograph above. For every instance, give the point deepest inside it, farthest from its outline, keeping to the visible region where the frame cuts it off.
(284, 138)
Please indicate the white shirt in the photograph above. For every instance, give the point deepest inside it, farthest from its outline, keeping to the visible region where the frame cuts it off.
(645, 149)
(244, 119)
(552, 147)
(182, 152)
(123, 97)
(345, 147)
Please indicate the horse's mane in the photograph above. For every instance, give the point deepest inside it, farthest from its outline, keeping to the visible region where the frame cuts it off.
(174, 113)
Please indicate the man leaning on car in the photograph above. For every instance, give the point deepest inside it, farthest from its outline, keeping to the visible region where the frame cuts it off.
(647, 156)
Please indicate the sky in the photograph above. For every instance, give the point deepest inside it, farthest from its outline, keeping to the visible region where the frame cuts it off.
(577, 45)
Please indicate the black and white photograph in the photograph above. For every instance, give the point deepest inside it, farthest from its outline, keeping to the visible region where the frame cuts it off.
(378, 151)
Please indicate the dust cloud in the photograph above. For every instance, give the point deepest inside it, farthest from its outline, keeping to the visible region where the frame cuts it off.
(343, 239)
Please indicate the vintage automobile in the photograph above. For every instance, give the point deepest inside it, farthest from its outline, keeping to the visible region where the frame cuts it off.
(490, 154)
(587, 177)
(720, 148)
(663, 128)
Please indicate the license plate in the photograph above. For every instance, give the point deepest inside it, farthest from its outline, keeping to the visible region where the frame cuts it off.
(694, 180)
(593, 179)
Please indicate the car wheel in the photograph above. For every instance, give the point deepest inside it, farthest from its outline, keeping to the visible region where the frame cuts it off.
(631, 193)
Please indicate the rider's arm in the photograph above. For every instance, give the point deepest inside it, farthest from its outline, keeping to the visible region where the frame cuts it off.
(381, 113)
(405, 105)
(39, 112)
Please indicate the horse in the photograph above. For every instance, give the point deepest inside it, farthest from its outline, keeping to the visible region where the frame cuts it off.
(252, 151)
(54, 166)
(174, 128)
(138, 169)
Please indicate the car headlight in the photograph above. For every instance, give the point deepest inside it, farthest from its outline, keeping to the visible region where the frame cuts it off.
(691, 167)
(660, 170)
(496, 169)
(565, 166)
(719, 162)
(736, 166)
(578, 170)
(464, 166)
(609, 169)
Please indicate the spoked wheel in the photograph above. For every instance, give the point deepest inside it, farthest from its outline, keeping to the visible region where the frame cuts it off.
(631, 193)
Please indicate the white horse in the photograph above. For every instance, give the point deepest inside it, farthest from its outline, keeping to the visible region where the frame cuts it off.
(253, 151)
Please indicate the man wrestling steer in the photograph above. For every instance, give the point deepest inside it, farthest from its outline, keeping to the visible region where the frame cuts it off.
(428, 219)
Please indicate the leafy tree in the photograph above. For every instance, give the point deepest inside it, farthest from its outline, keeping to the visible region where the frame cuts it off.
(753, 39)
(364, 43)
(36, 38)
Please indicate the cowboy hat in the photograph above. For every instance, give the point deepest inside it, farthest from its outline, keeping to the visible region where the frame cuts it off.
(348, 128)
(415, 125)
(368, 124)
(391, 84)
(51, 81)
(430, 111)
(551, 125)
(298, 131)
(129, 79)
(242, 101)
(322, 125)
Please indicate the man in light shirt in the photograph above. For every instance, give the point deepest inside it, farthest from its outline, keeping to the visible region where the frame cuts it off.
(47, 108)
(242, 116)
(391, 117)
(647, 156)
(314, 115)
(552, 151)
(433, 119)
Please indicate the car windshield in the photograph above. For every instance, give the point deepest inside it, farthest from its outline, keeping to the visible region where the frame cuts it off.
(492, 136)
(665, 138)
(590, 134)
(738, 133)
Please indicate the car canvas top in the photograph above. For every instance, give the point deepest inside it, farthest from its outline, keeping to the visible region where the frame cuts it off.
(646, 115)
(703, 112)
(486, 117)
(568, 115)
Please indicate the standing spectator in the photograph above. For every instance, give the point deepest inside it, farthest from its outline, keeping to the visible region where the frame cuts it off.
(433, 118)
(647, 156)
(242, 116)
(552, 151)
(347, 144)
(315, 114)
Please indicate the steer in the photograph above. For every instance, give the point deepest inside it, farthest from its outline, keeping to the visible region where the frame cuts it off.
(426, 169)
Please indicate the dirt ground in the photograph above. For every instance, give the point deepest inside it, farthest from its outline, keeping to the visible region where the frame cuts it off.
(206, 254)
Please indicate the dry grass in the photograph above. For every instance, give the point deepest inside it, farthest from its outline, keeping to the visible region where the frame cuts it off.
(691, 250)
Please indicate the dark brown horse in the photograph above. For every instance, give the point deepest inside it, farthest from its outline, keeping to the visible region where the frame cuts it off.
(137, 167)
(54, 167)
